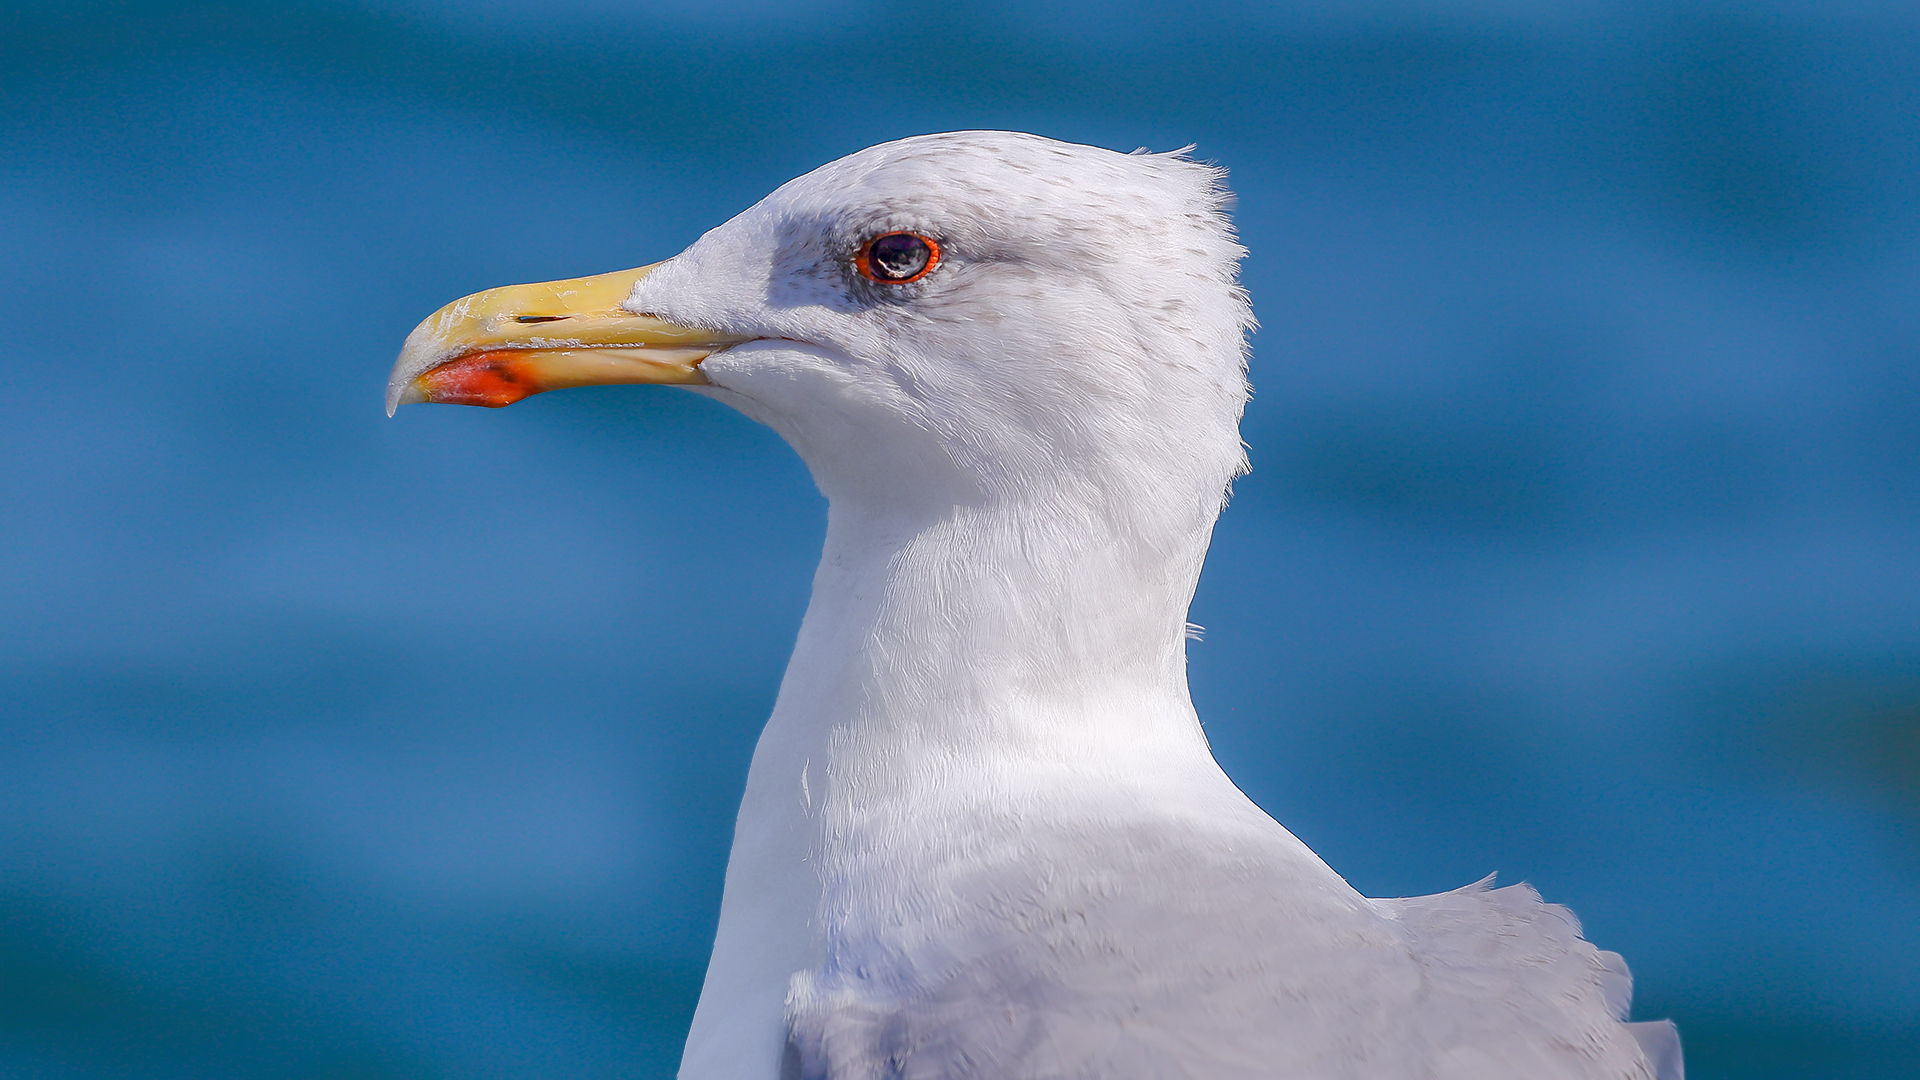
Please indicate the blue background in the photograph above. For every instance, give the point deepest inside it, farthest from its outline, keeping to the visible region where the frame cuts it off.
(1582, 542)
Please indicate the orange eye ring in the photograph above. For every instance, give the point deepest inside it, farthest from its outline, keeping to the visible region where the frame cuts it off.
(897, 258)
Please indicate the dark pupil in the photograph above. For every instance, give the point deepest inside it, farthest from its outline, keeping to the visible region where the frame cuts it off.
(898, 256)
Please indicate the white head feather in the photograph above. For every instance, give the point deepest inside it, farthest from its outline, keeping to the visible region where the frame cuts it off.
(1083, 327)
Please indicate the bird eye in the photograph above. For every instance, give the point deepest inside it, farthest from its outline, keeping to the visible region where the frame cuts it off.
(897, 258)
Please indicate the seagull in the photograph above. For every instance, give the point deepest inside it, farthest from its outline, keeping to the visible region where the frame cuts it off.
(983, 835)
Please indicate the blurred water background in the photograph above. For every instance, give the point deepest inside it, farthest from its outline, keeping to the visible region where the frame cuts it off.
(1582, 542)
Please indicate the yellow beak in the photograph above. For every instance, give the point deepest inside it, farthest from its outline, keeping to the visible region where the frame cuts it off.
(495, 347)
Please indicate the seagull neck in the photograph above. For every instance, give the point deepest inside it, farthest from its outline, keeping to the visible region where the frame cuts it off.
(1038, 630)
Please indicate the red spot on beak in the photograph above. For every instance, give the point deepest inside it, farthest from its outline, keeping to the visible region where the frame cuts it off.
(490, 379)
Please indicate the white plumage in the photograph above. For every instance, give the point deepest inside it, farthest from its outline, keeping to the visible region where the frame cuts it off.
(983, 835)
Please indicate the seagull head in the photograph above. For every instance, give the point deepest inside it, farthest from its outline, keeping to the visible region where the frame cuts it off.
(969, 318)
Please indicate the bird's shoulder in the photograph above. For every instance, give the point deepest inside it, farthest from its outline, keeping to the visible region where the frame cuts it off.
(1511, 988)
(1162, 953)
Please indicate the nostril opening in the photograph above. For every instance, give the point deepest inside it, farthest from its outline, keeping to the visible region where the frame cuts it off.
(539, 318)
